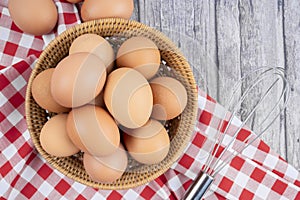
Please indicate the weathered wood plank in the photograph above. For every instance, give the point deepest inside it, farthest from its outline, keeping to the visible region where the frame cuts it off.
(191, 26)
(228, 47)
(292, 53)
(206, 45)
(262, 46)
(135, 14)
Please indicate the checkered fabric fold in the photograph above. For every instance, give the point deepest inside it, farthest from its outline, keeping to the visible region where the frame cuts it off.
(258, 173)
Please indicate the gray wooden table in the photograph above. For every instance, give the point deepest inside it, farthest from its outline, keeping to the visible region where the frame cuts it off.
(225, 39)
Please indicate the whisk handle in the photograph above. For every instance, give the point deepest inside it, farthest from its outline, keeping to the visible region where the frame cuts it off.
(198, 187)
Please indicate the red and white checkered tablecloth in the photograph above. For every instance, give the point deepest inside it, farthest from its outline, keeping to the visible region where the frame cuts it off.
(259, 173)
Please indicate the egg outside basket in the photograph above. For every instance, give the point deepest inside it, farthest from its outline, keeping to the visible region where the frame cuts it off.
(179, 129)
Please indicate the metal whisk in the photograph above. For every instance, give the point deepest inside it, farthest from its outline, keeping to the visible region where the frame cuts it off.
(260, 83)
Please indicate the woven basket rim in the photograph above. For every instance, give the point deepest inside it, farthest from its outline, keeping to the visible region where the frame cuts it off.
(54, 44)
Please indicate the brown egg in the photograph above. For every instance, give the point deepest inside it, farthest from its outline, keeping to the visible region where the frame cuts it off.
(169, 98)
(36, 17)
(92, 43)
(93, 130)
(54, 138)
(128, 97)
(106, 169)
(97, 9)
(41, 93)
(148, 144)
(141, 54)
(78, 79)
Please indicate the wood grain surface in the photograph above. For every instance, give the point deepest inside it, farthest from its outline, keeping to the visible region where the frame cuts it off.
(225, 39)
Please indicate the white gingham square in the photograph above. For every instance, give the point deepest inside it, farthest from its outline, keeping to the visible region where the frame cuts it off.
(14, 117)
(45, 188)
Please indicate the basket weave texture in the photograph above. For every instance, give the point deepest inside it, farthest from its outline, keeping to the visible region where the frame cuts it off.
(179, 129)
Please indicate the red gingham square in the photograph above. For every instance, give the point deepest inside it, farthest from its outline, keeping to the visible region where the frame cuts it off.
(186, 161)
(258, 175)
(243, 135)
(279, 187)
(21, 67)
(205, 118)
(246, 194)
(62, 187)
(10, 48)
(13, 134)
(4, 82)
(263, 147)
(147, 193)
(199, 140)
(237, 162)
(45, 171)
(5, 169)
(114, 196)
(16, 100)
(70, 18)
(226, 184)
(24, 150)
(29, 190)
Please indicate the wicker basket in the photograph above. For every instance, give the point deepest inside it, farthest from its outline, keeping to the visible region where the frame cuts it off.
(179, 129)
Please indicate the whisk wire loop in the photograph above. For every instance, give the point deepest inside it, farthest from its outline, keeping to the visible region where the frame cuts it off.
(220, 137)
(241, 147)
(241, 126)
(219, 156)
